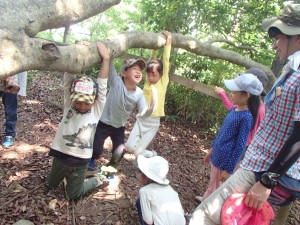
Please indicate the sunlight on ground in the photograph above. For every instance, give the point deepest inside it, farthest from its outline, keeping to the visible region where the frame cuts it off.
(32, 102)
(21, 150)
(19, 175)
(46, 123)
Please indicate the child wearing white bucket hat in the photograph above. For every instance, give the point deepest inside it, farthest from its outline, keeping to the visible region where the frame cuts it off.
(158, 202)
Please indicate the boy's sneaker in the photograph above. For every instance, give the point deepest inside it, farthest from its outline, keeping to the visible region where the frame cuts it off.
(92, 165)
(199, 198)
(113, 182)
(103, 181)
(108, 170)
(8, 141)
(154, 153)
(149, 153)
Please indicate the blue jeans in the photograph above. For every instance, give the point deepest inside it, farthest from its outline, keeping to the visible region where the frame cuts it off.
(10, 102)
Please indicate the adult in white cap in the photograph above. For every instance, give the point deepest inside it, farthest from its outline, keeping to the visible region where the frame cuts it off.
(271, 164)
(158, 202)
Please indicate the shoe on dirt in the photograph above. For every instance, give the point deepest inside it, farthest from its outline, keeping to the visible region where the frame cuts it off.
(103, 181)
(199, 198)
(8, 141)
(108, 170)
(92, 165)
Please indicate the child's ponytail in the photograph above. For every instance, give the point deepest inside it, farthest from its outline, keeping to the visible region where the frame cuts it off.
(253, 105)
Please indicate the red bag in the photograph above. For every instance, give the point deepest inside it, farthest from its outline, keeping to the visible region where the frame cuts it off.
(235, 212)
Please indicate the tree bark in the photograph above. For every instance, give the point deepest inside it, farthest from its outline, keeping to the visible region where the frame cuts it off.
(66, 34)
(23, 19)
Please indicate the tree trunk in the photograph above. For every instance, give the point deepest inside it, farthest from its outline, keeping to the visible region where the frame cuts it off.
(66, 34)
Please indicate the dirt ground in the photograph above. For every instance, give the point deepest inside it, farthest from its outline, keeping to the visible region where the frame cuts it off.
(24, 168)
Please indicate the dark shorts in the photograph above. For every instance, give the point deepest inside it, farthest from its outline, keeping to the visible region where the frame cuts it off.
(286, 191)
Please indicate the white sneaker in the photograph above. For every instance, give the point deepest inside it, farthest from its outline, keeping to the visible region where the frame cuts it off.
(199, 198)
(154, 153)
(148, 153)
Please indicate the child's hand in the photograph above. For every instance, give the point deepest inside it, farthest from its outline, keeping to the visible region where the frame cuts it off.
(206, 159)
(103, 51)
(224, 175)
(219, 90)
(10, 87)
(168, 36)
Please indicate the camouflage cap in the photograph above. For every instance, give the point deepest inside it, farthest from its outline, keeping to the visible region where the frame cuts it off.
(84, 89)
(288, 21)
(128, 63)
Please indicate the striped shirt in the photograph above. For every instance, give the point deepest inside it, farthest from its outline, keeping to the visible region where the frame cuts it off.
(276, 128)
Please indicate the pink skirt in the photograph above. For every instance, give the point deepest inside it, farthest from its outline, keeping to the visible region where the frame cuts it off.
(215, 181)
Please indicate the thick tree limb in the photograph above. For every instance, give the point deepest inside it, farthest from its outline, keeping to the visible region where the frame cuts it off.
(75, 58)
(34, 16)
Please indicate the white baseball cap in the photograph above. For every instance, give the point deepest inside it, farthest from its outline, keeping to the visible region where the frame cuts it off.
(245, 82)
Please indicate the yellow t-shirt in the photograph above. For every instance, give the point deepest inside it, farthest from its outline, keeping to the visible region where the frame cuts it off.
(161, 85)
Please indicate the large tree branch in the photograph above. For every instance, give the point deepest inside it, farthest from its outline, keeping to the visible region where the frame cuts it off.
(38, 15)
(37, 54)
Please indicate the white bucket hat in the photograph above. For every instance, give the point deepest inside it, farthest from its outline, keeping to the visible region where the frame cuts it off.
(288, 21)
(155, 168)
(245, 82)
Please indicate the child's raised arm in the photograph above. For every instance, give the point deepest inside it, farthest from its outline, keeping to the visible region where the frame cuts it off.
(104, 52)
(10, 86)
(226, 101)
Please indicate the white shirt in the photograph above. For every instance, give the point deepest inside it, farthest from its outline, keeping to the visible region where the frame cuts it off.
(76, 131)
(161, 205)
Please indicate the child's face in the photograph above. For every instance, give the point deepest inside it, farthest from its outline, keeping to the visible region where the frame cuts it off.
(153, 76)
(82, 107)
(133, 74)
(239, 97)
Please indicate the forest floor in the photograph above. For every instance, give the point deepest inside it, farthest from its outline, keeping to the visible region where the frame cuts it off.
(24, 168)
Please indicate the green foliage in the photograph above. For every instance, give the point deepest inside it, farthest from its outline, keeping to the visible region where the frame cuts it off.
(48, 34)
(195, 107)
(30, 76)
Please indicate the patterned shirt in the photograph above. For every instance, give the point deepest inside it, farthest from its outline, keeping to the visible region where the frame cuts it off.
(276, 128)
(260, 116)
(230, 142)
